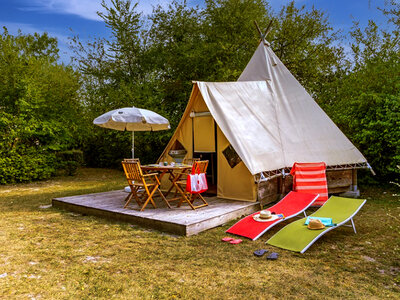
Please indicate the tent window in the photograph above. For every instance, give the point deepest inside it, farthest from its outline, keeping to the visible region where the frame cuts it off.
(177, 146)
(231, 156)
(177, 152)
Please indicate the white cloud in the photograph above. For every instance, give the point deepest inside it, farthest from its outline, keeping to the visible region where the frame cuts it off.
(86, 9)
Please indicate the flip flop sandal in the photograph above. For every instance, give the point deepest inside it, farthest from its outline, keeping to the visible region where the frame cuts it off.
(227, 239)
(238, 241)
(260, 252)
(273, 256)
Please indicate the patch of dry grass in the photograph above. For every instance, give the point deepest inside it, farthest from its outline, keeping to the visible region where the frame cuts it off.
(51, 254)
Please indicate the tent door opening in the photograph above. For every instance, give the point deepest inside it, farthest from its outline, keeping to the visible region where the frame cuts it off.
(211, 170)
(205, 146)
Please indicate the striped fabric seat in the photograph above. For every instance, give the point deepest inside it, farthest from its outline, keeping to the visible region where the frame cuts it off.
(311, 178)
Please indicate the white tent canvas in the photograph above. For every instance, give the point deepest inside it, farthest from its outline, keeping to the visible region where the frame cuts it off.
(274, 122)
(307, 133)
(270, 132)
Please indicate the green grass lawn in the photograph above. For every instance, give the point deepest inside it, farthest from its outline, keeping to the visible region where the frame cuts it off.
(46, 253)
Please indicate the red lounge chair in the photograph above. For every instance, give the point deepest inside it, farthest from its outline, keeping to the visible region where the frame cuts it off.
(290, 206)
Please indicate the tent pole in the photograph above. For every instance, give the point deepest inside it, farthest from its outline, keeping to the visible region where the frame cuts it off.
(258, 29)
(267, 30)
(133, 144)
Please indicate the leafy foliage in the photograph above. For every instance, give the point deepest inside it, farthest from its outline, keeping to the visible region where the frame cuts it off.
(28, 167)
(366, 102)
(39, 108)
(69, 161)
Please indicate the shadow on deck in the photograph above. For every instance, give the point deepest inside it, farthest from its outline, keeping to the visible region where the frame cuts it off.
(180, 221)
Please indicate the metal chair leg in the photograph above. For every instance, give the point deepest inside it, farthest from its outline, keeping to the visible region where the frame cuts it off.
(354, 227)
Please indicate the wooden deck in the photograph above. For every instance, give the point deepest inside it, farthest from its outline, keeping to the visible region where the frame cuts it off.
(180, 221)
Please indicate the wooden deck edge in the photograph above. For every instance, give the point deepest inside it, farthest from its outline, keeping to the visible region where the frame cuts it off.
(162, 226)
(213, 222)
(90, 194)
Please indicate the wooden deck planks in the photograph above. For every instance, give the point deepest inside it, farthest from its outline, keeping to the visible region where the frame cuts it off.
(182, 221)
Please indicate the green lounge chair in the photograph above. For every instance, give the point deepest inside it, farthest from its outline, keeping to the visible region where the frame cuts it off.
(297, 237)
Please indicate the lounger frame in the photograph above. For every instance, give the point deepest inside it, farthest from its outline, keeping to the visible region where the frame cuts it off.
(285, 218)
(333, 227)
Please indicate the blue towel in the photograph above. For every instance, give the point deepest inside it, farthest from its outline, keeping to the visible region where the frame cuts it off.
(326, 221)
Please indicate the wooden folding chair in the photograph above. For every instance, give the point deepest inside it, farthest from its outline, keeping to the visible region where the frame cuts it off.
(180, 185)
(137, 180)
(132, 159)
(140, 191)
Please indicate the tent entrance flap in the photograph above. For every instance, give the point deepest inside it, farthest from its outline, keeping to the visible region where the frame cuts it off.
(205, 145)
(203, 134)
(211, 170)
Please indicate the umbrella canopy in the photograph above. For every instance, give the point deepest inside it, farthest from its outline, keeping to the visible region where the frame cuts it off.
(132, 119)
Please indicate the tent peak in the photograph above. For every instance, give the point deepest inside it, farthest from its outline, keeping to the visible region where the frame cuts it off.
(263, 35)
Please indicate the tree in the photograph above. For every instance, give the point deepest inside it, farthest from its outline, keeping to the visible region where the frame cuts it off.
(308, 46)
(366, 104)
(40, 107)
(116, 74)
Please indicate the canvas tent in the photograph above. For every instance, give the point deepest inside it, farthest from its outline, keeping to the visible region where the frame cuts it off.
(258, 127)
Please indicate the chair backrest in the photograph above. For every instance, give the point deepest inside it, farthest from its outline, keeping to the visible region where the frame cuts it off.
(131, 159)
(311, 178)
(190, 161)
(200, 166)
(132, 169)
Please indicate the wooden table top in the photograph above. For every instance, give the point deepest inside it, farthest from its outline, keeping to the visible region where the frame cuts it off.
(167, 167)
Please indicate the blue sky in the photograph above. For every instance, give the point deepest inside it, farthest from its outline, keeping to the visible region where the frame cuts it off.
(66, 18)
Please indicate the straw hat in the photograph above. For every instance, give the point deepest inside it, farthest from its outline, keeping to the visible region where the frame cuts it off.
(315, 224)
(265, 216)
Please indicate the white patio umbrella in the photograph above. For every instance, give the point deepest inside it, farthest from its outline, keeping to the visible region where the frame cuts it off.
(132, 119)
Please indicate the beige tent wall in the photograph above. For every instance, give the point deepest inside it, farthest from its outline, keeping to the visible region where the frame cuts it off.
(184, 136)
(236, 183)
(204, 140)
(233, 183)
(204, 134)
(183, 132)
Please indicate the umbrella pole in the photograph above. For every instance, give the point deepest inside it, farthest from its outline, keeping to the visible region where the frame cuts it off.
(133, 144)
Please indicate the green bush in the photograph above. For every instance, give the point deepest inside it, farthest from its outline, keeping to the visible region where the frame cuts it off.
(372, 122)
(17, 168)
(69, 161)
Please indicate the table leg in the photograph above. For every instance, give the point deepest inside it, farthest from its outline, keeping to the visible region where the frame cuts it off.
(171, 178)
